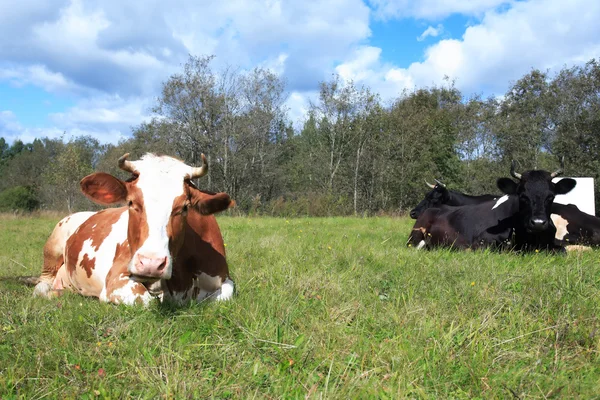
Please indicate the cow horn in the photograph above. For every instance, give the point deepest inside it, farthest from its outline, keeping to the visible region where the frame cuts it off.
(198, 172)
(560, 170)
(513, 172)
(440, 183)
(126, 165)
(430, 185)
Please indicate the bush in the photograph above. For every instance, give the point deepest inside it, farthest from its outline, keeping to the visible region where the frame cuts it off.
(18, 198)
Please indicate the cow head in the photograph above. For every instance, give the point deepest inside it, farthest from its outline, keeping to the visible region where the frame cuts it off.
(535, 192)
(159, 195)
(436, 197)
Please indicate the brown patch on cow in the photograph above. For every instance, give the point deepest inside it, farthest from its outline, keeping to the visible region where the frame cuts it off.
(202, 252)
(138, 230)
(88, 264)
(122, 253)
(139, 289)
(119, 267)
(175, 227)
(421, 229)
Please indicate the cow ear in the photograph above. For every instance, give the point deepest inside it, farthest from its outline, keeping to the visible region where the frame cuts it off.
(210, 203)
(103, 188)
(564, 186)
(507, 185)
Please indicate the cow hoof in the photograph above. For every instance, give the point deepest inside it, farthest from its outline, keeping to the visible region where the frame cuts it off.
(226, 291)
(43, 289)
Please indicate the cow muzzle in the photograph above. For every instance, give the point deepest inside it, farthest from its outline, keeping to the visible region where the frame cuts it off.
(537, 225)
(149, 267)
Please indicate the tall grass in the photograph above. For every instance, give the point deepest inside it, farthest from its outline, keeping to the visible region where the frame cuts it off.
(334, 307)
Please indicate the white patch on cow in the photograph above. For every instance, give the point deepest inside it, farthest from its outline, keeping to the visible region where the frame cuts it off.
(161, 181)
(500, 201)
(125, 295)
(561, 226)
(421, 245)
(105, 254)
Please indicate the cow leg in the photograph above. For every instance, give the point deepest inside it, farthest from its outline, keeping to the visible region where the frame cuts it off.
(212, 288)
(417, 238)
(51, 279)
(203, 288)
(121, 289)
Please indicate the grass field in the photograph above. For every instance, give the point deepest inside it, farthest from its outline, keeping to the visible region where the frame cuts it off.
(335, 308)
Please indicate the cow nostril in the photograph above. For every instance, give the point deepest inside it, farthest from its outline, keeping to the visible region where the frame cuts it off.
(163, 264)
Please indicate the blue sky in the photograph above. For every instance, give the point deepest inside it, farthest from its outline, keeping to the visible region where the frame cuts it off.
(95, 67)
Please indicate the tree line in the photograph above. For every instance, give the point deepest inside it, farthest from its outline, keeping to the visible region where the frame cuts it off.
(353, 154)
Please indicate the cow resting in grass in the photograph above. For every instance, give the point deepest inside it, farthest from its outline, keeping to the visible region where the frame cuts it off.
(573, 226)
(164, 240)
(440, 195)
(523, 214)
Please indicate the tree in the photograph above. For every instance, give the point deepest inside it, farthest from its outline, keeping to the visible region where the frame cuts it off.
(64, 173)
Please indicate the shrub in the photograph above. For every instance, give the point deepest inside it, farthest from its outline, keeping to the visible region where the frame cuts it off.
(18, 198)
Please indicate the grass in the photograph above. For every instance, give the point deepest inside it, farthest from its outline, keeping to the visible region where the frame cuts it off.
(334, 307)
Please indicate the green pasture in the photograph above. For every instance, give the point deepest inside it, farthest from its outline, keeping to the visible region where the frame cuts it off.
(325, 308)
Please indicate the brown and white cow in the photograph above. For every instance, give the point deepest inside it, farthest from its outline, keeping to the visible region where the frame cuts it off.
(165, 239)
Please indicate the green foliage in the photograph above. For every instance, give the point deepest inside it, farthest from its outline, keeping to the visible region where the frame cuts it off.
(325, 307)
(352, 154)
(18, 198)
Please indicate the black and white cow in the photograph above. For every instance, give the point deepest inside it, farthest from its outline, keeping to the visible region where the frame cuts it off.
(523, 214)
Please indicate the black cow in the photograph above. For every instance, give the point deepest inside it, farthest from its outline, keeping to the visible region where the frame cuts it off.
(573, 226)
(524, 212)
(439, 195)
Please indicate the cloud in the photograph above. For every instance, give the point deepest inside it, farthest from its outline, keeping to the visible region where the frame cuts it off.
(105, 51)
(106, 118)
(38, 75)
(11, 129)
(504, 46)
(432, 9)
(431, 32)
(130, 50)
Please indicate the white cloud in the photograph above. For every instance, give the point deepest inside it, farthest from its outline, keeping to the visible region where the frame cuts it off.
(11, 129)
(503, 47)
(432, 9)
(38, 75)
(298, 104)
(431, 32)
